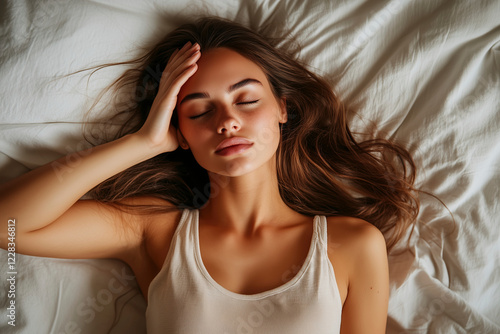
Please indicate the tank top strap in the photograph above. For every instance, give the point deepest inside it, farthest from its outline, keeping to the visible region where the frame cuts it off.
(321, 231)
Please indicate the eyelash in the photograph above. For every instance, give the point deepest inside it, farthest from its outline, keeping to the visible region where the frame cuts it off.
(244, 103)
(248, 102)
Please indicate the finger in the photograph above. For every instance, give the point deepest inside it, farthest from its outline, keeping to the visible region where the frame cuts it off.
(177, 64)
(176, 51)
(194, 57)
(175, 69)
(183, 55)
(168, 100)
(186, 48)
(182, 78)
(175, 60)
(180, 52)
(188, 58)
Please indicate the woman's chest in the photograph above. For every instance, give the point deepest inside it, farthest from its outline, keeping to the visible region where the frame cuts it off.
(254, 265)
(238, 265)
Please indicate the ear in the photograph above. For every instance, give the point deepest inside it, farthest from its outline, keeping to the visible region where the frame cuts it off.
(283, 116)
(181, 140)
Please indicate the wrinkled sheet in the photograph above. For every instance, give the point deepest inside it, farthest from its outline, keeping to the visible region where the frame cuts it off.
(426, 72)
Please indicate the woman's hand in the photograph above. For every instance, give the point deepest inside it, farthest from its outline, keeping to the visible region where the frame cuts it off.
(157, 130)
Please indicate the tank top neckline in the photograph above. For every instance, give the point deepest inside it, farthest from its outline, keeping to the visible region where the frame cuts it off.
(259, 295)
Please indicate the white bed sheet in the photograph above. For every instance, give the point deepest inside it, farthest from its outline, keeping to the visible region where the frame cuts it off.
(427, 72)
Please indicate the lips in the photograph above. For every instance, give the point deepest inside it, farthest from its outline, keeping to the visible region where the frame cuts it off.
(233, 145)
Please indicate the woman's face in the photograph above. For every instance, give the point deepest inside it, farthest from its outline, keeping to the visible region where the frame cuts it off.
(228, 115)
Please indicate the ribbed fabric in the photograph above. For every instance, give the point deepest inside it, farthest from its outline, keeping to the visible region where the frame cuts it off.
(184, 298)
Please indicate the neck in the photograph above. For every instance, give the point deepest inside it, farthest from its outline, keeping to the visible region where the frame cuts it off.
(246, 203)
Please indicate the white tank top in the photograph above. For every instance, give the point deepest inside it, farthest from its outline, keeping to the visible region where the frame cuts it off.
(184, 298)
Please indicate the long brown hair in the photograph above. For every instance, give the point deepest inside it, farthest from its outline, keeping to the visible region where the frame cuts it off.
(322, 169)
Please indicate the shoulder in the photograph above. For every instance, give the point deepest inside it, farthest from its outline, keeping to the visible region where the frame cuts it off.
(153, 227)
(137, 206)
(356, 249)
(354, 235)
(151, 222)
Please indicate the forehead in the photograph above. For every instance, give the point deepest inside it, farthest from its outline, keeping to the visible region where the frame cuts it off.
(219, 68)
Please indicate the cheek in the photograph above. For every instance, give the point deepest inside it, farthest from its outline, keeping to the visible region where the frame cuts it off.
(197, 139)
(195, 136)
(266, 128)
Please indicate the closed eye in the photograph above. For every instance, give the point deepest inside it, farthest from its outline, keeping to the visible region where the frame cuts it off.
(239, 103)
(248, 102)
(198, 116)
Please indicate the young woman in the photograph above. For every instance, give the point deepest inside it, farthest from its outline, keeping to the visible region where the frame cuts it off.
(235, 191)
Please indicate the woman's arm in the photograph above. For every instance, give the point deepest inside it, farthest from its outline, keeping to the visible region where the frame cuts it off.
(365, 308)
(42, 195)
(358, 250)
(50, 220)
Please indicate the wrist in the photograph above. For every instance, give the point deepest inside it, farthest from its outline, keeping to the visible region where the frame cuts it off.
(147, 146)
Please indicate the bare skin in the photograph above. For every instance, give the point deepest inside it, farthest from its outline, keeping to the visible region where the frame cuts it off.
(250, 240)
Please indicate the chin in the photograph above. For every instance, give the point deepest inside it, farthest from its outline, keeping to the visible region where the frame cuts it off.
(242, 165)
(236, 168)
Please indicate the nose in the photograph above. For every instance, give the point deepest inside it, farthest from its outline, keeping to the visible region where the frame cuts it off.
(227, 122)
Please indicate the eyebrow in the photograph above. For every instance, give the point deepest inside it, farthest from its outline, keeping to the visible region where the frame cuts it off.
(231, 88)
